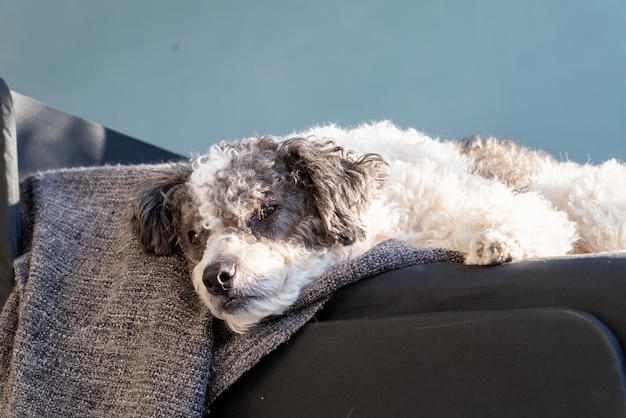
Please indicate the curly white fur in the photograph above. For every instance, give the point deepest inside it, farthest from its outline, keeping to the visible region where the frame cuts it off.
(262, 217)
(593, 196)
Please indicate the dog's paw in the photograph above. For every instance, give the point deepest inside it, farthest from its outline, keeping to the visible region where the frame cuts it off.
(492, 247)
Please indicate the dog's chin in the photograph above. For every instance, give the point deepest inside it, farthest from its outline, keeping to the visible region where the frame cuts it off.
(241, 314)
(222, 306)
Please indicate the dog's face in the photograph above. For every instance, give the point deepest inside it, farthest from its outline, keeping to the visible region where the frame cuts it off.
(258, 219)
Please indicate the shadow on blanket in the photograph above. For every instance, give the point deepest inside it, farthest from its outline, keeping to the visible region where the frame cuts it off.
(95, 326)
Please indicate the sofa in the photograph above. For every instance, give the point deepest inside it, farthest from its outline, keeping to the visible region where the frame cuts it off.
(536, 338)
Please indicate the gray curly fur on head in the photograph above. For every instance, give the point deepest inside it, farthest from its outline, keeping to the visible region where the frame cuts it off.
(320, 188)
(325, 188)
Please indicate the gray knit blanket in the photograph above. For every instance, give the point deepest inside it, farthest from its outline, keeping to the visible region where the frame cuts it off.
(97, 327)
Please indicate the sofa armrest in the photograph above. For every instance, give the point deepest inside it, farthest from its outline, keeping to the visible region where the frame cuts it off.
(522, 363)
(9, 192)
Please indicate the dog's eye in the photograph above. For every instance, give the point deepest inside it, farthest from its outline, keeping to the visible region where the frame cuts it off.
(267, 210)
(194, 238)
(261, 215)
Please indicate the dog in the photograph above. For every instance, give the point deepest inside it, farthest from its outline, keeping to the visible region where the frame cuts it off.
(258, 219)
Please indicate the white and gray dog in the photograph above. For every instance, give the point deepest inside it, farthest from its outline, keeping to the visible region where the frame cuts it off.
(260, 218)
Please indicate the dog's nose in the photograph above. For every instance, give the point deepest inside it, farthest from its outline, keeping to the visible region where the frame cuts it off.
(218, 277)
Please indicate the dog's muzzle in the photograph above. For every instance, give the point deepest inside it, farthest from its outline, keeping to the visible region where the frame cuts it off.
(219, 277)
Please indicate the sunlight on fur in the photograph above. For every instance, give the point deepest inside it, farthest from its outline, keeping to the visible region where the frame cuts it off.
(260, 218)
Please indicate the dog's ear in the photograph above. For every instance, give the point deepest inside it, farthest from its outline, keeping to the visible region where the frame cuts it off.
(157, 211)
(340, 184)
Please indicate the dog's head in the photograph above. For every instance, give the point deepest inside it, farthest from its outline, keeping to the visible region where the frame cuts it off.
(258, 219)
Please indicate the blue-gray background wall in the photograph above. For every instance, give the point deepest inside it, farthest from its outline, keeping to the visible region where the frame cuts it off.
(184, 74)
